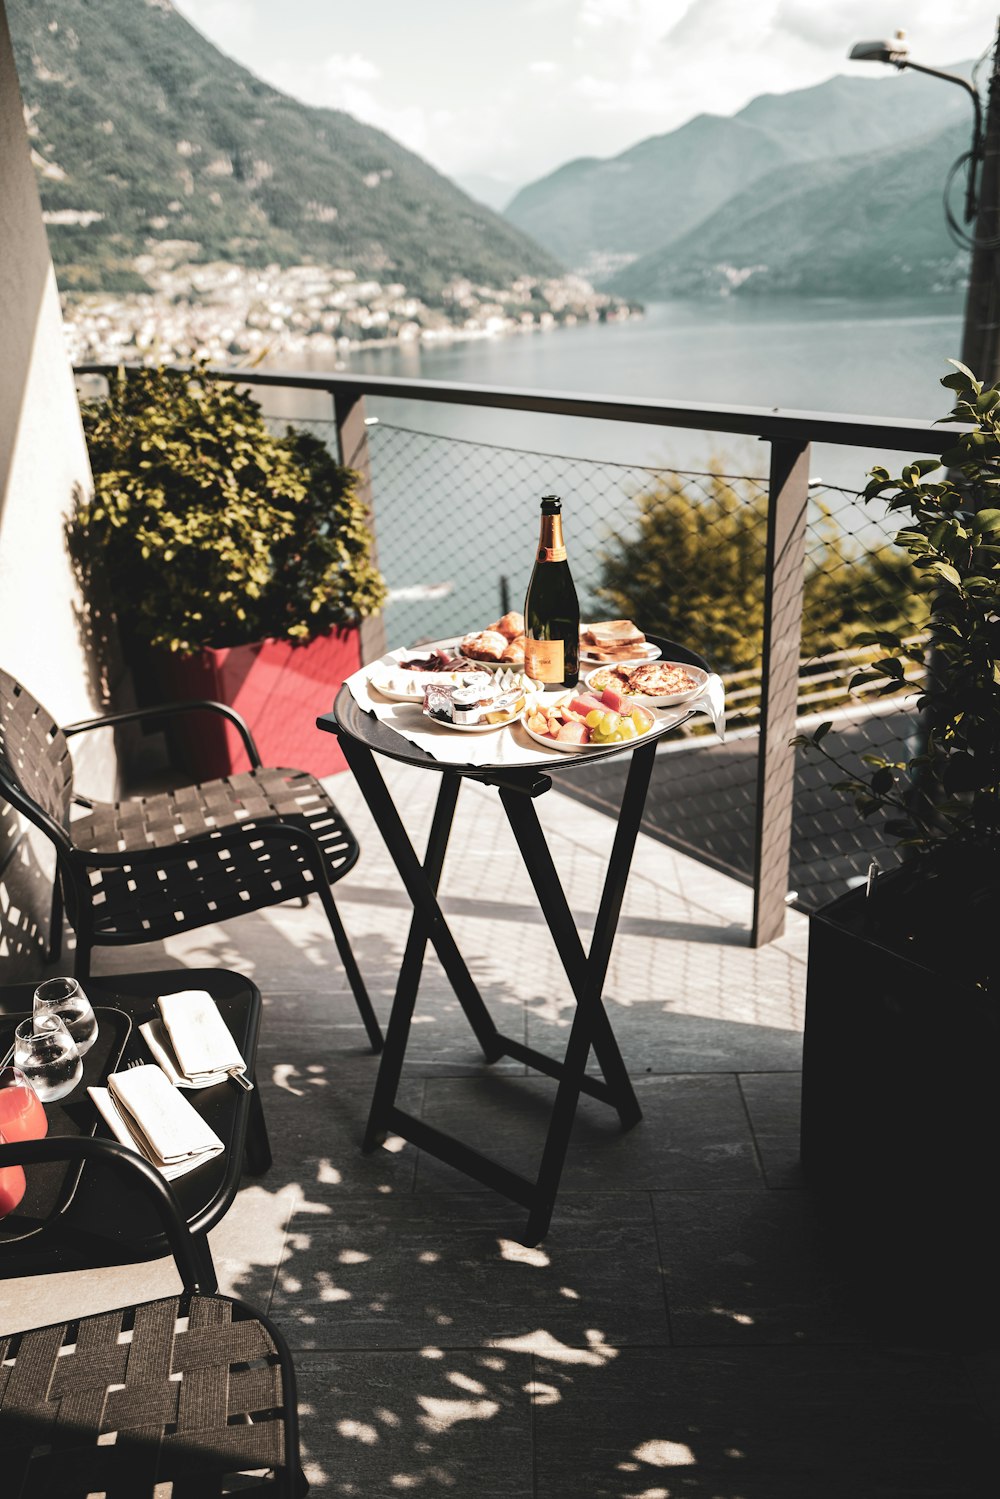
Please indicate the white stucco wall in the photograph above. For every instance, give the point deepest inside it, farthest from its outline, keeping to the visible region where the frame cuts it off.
(43, 458)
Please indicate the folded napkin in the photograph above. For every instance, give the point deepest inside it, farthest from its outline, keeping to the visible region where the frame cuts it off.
(191, 1041)
(143, 1110)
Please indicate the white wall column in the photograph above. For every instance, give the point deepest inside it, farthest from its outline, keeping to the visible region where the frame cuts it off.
(43, 461)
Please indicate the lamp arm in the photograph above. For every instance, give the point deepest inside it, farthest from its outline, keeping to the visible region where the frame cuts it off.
(970, 89)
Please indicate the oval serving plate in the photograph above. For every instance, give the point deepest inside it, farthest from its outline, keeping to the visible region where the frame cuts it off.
(380, 681)
(647, 700)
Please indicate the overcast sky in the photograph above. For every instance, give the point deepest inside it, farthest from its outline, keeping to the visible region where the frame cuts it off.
(513, 88)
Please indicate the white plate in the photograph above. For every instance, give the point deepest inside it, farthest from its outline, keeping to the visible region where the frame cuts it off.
(645, 652)
(578, 749)
(644, 700)
(420, 679)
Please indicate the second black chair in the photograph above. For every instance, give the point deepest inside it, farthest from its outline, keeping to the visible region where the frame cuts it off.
(148, 867)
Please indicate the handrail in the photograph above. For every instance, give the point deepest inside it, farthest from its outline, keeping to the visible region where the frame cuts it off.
(751, 421)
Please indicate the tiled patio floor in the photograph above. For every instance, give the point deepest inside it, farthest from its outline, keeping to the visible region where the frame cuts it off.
(682, 1331)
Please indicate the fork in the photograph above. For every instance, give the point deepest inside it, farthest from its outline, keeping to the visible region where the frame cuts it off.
(237, 1077)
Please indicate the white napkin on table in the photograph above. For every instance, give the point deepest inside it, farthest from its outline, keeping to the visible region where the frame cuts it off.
(191, 1041)
(143, 1110)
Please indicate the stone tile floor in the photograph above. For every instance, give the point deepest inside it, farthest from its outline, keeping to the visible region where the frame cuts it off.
(685, 1329)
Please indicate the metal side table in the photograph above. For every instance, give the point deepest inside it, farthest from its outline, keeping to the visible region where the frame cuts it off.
(362, 738)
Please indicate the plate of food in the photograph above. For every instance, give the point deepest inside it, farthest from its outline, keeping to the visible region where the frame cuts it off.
(499, 645)
(615, 640)
(479, 705)
(401, 686)
(657, 684)
(582, 721)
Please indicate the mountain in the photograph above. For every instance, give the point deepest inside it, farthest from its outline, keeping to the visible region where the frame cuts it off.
(143, 132)
(865, 225)
(495, 192)
(597, 215)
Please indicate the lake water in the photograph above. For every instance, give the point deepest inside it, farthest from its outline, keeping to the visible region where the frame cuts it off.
(805, 355)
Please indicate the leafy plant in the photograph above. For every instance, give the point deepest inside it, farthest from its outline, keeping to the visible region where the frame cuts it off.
(946, 797)
(693, 570)
(213, 530)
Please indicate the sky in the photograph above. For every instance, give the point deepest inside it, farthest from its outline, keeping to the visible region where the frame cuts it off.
(511, 89)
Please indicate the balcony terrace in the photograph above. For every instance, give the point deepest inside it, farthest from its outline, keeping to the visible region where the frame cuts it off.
(686, 1328)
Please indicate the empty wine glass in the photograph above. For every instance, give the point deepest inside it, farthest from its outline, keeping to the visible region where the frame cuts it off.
(48, 1056)
(65, 998)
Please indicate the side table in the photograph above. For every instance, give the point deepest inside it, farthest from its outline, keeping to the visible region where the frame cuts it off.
(362, 738)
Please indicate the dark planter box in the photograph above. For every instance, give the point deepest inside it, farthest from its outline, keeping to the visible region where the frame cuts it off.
(279, 687)
(900, 1128)
(899, 1059)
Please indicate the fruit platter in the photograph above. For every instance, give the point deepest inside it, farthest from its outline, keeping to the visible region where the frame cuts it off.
(580, 721)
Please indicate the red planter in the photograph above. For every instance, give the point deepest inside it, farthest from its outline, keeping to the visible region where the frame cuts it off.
(279, 688)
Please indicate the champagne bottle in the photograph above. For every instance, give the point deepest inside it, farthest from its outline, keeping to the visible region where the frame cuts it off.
(551, 610)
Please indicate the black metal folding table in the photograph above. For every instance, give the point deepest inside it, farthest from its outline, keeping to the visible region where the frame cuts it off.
(362, 737)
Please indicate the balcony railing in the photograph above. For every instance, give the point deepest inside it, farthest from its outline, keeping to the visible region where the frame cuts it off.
(438, 505)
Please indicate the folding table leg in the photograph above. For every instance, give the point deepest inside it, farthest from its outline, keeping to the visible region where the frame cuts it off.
(427, 923)
(591, 1025)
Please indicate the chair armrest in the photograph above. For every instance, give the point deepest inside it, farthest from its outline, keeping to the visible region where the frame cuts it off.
(165, 710)
(131, 1165)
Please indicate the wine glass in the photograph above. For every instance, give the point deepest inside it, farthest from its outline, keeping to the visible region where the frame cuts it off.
(65, 998)
(21, 1114)
(48, 1056)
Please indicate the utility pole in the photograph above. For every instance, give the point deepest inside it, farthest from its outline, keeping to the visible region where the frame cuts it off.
(981, 335)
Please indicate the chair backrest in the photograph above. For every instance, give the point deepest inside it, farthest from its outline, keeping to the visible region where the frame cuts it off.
(36, 768)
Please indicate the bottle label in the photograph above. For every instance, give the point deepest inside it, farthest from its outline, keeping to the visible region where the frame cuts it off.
(544, 660)
(551, 554)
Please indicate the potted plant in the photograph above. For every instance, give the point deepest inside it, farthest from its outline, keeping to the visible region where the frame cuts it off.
(238, 561)
(900, 1126)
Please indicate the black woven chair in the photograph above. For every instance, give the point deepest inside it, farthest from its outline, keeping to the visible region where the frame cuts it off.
(196, 1390)
(143, 869)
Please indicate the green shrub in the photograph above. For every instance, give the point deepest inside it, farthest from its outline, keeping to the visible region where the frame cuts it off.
(211, 529)
(693, 570)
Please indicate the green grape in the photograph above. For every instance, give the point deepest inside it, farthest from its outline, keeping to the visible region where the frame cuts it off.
(628, 729)
(594, 719)
(611, 721)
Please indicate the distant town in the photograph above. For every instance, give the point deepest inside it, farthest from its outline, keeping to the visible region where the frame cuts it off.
(221, 311)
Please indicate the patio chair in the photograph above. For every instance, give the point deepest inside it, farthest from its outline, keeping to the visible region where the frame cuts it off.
(195, 1390)
(145, 868)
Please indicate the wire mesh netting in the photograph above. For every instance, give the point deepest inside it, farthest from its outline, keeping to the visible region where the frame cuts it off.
(683, 553)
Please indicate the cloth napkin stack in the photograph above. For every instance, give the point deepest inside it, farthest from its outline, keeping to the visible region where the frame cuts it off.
(144, 1111)
(191, 1041)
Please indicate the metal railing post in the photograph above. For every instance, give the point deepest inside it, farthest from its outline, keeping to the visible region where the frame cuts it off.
(785, 567)
(352, 440)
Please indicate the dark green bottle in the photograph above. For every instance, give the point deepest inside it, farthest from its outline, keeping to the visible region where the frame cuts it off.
(551, 610)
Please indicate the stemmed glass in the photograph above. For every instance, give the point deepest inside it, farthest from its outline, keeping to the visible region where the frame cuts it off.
(48, 1056)
(65, 998)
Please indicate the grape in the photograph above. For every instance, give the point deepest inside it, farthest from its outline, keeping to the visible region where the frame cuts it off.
(611, 722)
(628, 729)
(594, 719)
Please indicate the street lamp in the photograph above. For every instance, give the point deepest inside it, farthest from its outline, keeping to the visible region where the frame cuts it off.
(896, 54)
(981, 335)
